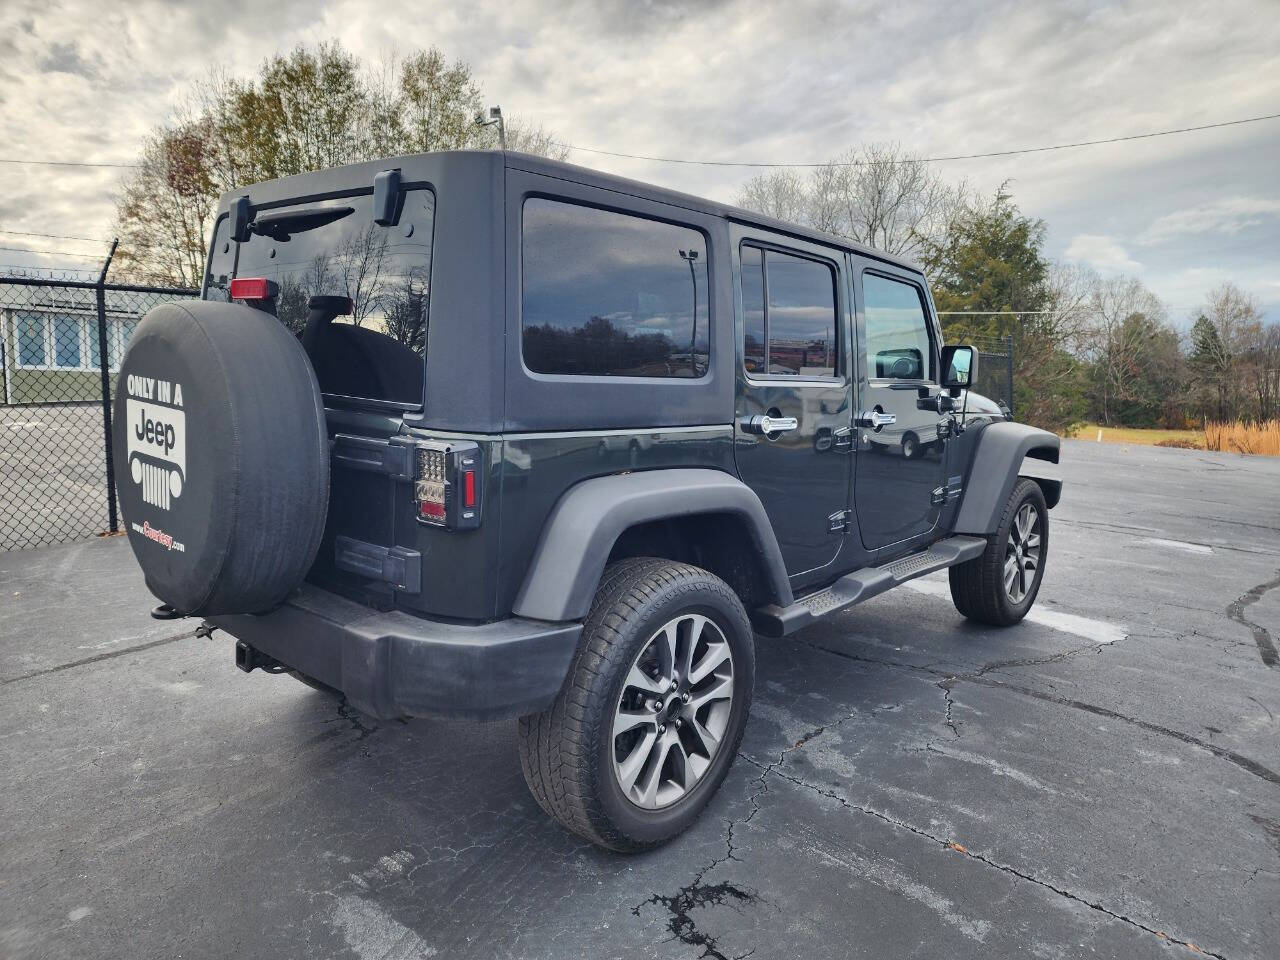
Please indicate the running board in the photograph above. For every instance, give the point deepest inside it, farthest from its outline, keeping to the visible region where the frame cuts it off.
(775, 621)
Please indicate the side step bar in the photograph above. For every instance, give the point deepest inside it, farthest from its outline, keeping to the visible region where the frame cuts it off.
(775, 621)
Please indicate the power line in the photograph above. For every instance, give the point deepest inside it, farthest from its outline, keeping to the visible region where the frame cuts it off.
(747, 163)
(27, 268)
(56, 253)
(70, 163)
(962, 156)
(54, 236)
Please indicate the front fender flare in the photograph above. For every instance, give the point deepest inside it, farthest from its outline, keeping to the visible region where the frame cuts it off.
(997, 460)
(588, 519)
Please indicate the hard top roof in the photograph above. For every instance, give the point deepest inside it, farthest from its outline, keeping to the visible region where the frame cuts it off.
(414, 167)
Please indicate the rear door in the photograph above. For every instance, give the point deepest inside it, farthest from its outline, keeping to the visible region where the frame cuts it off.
(901, 464)
(793, 333)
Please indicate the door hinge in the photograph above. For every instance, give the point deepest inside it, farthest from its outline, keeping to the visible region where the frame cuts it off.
(839, 521)
(938, 497)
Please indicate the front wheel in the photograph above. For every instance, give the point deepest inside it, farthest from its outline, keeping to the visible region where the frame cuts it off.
(653, 711)
(1000, 586)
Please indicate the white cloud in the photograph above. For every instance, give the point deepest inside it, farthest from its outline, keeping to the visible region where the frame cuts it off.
(1229, 215)
(1105, 254)
(736, 79)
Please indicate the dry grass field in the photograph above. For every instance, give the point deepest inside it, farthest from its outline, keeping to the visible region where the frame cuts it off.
(1238, 437)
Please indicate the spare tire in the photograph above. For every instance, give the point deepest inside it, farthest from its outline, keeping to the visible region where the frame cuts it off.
(221, 457)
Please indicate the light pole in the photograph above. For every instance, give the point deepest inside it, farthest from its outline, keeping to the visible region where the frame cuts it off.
(689, 257)
(495, 116)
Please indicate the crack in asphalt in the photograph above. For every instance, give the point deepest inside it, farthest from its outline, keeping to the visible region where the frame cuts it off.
(1245, 763)
(355, 718)
(1235, 611)
(953, 846)
(98, 658)
(696, 894)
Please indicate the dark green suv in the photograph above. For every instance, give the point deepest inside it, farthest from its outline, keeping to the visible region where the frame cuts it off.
(482, 434)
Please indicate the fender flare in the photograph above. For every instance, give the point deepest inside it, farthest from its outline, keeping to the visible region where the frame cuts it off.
(588, 519)
(997, 461)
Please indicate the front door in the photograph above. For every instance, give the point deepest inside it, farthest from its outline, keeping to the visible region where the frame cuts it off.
(901, 464)
(794, 417)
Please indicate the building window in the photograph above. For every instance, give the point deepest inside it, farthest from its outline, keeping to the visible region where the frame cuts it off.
(789, 314)
(67, 331)
(31, 337)
(612, 295)
(67, 341)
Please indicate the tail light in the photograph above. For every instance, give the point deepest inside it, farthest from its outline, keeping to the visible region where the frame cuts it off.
(449, 484)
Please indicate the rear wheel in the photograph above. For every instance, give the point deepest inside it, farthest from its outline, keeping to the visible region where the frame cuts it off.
(653, 711)
(1000, 586)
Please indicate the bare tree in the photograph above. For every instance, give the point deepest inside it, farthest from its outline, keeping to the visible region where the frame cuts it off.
(781, 194)
(360, 259)
(1126, 319)
(877, 194)
(525, 136)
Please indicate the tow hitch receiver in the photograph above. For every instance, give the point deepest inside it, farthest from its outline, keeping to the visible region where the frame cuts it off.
(247, 659)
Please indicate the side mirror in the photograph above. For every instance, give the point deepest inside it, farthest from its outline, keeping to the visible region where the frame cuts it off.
(959, 366)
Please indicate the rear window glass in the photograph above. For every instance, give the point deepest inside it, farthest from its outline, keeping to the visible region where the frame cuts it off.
(789, 314)
(376, 353)
(608, 294)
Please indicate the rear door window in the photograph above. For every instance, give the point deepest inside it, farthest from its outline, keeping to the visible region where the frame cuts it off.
(611, 295)
(789, 314)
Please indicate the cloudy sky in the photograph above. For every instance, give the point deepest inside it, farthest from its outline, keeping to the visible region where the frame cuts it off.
(737, 80)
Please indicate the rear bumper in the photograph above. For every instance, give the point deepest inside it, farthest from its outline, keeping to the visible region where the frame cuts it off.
(393, 664)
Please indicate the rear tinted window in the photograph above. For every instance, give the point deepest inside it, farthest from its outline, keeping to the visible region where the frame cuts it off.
(789, 314)
(376, 353)
(608, 294)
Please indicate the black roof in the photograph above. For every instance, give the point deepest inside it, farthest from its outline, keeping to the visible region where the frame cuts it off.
(358, 178)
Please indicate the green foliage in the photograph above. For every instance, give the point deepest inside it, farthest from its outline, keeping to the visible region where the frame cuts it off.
(312, 108)
(989, 260)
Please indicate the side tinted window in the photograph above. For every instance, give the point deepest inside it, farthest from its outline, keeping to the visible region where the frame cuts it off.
(608, 294)
(898, 345)
(789, 314)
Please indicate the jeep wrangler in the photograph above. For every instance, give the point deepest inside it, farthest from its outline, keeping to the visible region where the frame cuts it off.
(478, 433)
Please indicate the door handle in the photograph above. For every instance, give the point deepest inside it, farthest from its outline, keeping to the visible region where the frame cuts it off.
(765, 424)
(875, 419)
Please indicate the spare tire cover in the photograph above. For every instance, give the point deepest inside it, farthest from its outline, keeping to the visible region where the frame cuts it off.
(221, 457)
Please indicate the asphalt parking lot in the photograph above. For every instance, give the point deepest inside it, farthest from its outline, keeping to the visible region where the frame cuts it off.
(1102, 781)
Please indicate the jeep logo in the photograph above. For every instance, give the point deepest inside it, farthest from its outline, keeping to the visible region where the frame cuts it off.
(156, 432)
(157, 450)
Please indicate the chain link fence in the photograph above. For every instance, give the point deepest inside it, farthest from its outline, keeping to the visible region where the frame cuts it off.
(995, 369)
(60, 347)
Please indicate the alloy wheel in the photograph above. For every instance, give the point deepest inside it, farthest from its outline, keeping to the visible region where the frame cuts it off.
(1022, 553)
(673, 712)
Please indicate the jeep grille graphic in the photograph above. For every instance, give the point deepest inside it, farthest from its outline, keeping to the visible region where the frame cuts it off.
(155, 486)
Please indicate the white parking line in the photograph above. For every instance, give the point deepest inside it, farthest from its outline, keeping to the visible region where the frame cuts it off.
(1095, 631)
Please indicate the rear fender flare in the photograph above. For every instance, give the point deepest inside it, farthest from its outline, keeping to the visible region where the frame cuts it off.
(997, 462)
(588, 519)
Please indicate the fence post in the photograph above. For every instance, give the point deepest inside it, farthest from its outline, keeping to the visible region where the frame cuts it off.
(1008, 359)
(104, 369)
